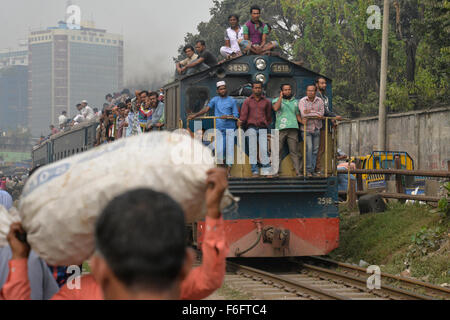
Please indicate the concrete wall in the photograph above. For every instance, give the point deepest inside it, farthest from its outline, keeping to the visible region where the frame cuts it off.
(425, 135)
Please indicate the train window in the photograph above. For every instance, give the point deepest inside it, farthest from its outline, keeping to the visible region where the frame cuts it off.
(73, 151)
(235, 84)
(78, 150)
(273, 87)
(197, 97)
(65, 154)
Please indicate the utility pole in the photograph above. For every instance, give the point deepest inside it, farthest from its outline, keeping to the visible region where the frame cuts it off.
(383, 79)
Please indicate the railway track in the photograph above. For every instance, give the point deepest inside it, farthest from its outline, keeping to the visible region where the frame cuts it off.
(420, 287)
(302, 279)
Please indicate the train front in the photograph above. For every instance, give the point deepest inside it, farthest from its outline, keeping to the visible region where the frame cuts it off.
(277, 216)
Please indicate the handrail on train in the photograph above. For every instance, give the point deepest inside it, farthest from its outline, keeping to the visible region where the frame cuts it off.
(327, 119)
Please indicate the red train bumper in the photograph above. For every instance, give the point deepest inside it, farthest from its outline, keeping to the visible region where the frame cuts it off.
(279, 237)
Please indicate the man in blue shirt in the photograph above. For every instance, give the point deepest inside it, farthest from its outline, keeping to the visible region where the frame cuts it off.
(225, 108)
(5, 198)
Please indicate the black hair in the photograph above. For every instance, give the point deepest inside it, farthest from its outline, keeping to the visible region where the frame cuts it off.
(78, 105)
(318, 78)
(153, 94)
(233, 15)
(144, 91)
(257, 82)
(188, 47)
(141, 235)
(202, 42)
(311, 85)
(128, 101)
(255, 7)
(95, 109)
(125, 91)
(64, 112)
(285, 84)
(122, 105)
(109, 95)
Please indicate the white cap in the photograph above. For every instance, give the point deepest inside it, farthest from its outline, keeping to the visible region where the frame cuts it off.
(220, 83)
(84, 101)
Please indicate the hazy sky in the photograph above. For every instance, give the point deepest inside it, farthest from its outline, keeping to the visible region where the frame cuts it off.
(152, 29)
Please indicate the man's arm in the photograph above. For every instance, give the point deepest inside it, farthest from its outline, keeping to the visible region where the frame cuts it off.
(277, 105)
(198, 114)
(204, 280)
(244, 113)
(17, 287)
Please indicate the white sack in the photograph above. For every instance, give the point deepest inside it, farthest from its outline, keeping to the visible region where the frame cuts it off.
(61, 201)
(6, 219)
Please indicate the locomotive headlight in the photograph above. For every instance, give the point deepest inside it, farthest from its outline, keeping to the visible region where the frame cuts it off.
(261, 78)
(260, 64)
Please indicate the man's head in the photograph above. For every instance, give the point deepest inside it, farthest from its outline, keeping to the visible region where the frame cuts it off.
(200, 46)
(122, 107)
(233, 20)
(153, 99)
(311, 91)
(129, 104)
(286, 89)
(141, 247)
(79, 107)
(52, 127)
(84, 103)
(255, 12)
(189, 51)
(321, 84)
(222, 88)
(257, 88)
(95, 110)
(64, 113)
(109, 97)
(144, 97)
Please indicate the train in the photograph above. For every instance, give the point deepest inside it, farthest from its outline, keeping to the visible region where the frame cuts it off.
(286, 216)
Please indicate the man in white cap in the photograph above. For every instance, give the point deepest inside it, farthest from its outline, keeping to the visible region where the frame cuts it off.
(87, 111)
(225, 108)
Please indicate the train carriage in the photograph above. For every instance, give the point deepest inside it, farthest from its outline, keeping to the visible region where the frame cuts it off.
(286, 216)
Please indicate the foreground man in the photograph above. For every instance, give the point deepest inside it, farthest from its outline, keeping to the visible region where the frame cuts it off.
(141, 251)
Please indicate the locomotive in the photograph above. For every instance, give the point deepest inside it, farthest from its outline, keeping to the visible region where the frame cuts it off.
(286, 216)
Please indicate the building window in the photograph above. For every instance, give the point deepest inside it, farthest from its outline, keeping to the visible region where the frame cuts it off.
(85, 38)
(79, 38)
(91, 39)
(73, 37)
(103, 40)
(109, 41)
(97, 39)
(114, 41)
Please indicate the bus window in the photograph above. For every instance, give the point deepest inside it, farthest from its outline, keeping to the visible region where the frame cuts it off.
(196, 98)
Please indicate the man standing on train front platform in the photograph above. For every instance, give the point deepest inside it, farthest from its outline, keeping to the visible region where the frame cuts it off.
(225, 109)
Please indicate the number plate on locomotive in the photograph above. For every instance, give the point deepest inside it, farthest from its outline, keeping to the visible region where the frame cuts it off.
(281, 68)
(238, 68)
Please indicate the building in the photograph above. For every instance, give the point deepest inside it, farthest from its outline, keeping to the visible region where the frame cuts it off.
(68, 66)
(13, 97)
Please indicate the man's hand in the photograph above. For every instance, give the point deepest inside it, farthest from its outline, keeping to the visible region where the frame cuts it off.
(20, 250)
(191, 117)
(217, 183)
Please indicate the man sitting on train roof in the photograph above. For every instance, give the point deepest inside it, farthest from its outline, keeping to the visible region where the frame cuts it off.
(233, 35)
(225, 108)
(190, 57)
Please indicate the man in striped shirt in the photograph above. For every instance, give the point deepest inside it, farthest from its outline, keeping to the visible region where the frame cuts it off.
(311, 106)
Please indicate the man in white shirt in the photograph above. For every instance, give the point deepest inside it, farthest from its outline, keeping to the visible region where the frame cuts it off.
(62, 119)
(87, 111)
(232, 36)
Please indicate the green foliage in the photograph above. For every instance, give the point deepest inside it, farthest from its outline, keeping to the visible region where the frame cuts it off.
(425, 241)
(444, 205)
(331, 37)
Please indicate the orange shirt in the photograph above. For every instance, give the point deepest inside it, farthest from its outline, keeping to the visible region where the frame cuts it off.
(199, 284)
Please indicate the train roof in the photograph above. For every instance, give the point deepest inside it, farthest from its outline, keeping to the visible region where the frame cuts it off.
(212, 71)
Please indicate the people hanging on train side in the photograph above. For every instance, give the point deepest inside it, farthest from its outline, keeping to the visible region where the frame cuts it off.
(226, 110)
(156, 217)
(233, 36)
(256, 118)
(109, 100)
(122, 121)
(311, 106)
(287, 119)
(191, 56)
(145, 112)
(321, 85)
(156, 122)
(256, 31)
